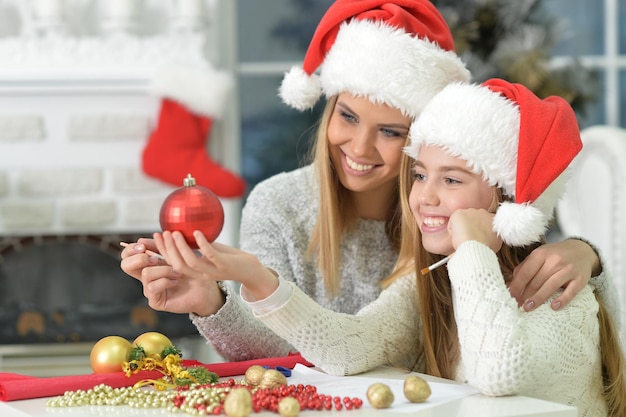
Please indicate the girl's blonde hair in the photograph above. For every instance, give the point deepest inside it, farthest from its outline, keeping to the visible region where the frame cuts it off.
(336, 213)
(613, 364)
(440, 338)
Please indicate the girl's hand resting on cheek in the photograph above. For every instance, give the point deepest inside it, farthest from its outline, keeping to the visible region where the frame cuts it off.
(567, 264)
(473, 224)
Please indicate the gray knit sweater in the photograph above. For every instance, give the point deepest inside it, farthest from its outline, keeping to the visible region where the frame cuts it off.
(276, 225)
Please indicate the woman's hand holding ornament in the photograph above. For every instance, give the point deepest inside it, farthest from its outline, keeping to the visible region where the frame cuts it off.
(216, 262)
(169, 285)
(166, 289)
(137, 256)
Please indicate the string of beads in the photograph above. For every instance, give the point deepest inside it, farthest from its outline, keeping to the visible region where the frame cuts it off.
(205, 399)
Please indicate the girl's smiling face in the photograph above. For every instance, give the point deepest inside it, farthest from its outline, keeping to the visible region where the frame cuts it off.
(442, 184)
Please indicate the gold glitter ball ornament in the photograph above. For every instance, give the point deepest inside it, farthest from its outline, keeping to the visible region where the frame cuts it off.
(254, 374)
(380, 395)
(416, 389)
(288, 407)
(272, 379)
(238, 403)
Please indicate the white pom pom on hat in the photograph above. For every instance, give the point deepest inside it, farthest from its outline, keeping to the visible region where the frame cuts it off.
(300, 89)
(514, 139)
(399, 53)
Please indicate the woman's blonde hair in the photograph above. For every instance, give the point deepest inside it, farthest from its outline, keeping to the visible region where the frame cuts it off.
(336, 213)
(440, 338)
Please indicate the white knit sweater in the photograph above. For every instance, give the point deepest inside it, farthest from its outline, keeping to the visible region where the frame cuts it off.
(276, 225)
(552, 355)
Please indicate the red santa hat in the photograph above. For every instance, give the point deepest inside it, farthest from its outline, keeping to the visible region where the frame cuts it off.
(395, 52)
(514, 139)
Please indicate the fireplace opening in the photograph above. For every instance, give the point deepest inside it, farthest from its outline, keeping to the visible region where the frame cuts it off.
(70, 288)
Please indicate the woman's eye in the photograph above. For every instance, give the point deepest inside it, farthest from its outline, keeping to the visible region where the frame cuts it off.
(348, 117)
(452, 181)
(392, 133)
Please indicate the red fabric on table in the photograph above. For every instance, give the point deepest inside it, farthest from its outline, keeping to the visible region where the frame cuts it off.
(239, 368)
(15, 387)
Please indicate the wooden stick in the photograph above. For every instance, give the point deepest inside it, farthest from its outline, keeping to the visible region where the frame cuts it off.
(148, 251)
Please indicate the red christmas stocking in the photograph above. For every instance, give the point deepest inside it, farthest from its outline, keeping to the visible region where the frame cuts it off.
(177, 147)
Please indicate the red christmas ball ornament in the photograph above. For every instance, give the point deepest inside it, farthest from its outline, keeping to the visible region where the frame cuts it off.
(192, 207)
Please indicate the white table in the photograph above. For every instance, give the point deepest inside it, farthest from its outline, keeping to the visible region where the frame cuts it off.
(475, 405)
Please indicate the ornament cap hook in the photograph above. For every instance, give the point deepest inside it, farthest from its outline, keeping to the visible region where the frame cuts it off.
(189, 181)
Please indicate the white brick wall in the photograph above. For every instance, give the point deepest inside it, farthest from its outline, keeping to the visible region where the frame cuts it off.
(71, 163)
(72, 129)
(75, 115)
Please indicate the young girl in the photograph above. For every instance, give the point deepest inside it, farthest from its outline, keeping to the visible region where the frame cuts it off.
(333, 227)
(500, 140)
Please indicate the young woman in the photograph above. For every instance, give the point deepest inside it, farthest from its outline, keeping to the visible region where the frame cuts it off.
(333, 227)
(480, 189)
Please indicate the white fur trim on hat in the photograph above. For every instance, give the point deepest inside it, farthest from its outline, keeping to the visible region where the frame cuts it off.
(375, 60)
(482, 127)
(475, 124)
(299, 89)
(203, 90)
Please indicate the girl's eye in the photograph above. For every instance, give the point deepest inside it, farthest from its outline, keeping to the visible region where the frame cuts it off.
(451, 181)
(417, 176)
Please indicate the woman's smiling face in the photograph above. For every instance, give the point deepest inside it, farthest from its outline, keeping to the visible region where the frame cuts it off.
(442, 184)
(365, 144)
